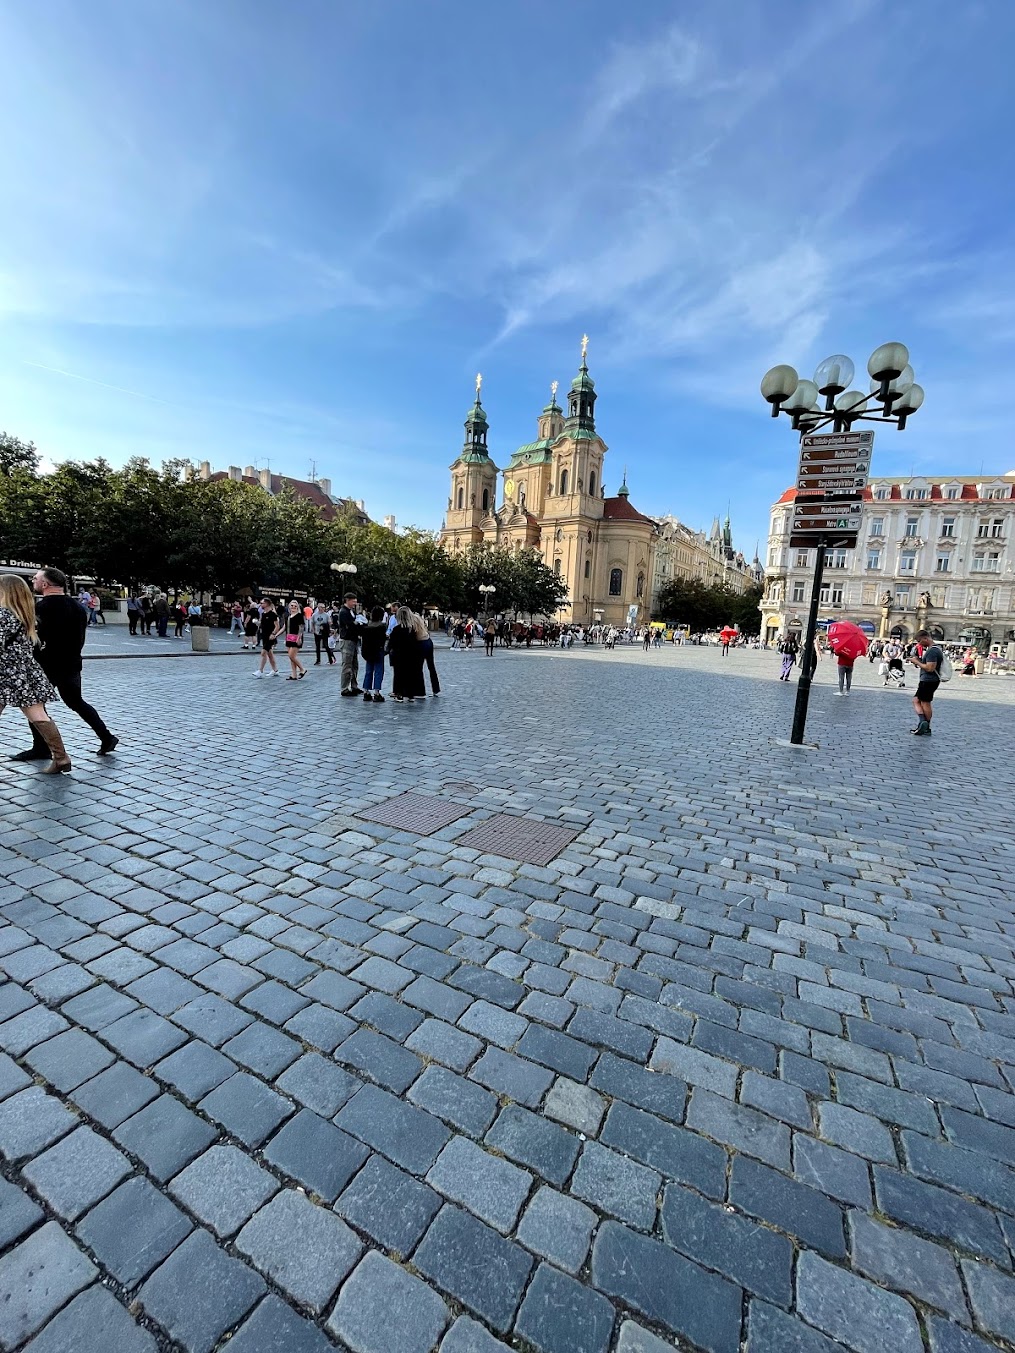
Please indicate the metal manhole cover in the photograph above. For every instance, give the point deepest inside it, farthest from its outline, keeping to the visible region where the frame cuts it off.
(518, 838)
(419, 813)
(459, 787)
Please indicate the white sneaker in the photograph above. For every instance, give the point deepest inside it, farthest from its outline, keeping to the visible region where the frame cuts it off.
(257, 673)
(275, 673)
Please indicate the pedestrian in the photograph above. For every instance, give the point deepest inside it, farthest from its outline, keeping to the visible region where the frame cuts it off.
(180, 618)
(162, 615)
(894, 669)
(133, 613)
(22, 681)
(373, 641)
(969, 662)
(61, 623)
(268, 628)
(95, 611)
(406, 653)
(789, 648)
(348, 634)
(426, 643)
(295, 624)
(929, 666)
(236, 620)
(195, 613)
(251, 626)
(320, 628)
(845, 669)
(145, 603)
(489, 637)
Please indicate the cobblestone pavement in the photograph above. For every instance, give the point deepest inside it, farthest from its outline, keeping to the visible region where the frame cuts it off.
(734, 1070)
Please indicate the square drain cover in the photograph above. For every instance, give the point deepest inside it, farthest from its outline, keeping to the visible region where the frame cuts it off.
(419, 813)
(518, 838)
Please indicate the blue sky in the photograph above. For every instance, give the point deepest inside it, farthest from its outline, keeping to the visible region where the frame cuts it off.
(281, 234)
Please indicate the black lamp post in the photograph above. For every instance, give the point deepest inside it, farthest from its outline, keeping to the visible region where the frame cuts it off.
(894, 397)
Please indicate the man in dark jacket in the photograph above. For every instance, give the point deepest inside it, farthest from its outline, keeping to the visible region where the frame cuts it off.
(348, 634)
(62, 622)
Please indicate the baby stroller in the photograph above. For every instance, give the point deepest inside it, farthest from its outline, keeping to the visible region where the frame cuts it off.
(892, 673)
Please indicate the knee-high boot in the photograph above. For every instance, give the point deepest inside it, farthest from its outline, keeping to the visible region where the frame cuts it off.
(50, 735)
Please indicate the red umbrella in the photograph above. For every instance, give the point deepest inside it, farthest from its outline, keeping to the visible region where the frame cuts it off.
(847, 640)
(727, 634)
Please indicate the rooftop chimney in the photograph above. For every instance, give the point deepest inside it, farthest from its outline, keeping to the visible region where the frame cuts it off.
(234, 472)
(248, 471)
(325, 486)
(265, 478)
(205, 471)
(389, 523)
(360, 504)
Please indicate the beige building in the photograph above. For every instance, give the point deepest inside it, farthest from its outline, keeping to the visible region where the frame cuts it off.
(710, 559)
(933, 552)
(554, 502)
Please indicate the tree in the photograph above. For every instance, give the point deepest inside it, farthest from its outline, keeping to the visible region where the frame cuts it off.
(17, 455)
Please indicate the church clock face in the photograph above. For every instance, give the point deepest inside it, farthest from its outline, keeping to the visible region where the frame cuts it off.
(509, 487)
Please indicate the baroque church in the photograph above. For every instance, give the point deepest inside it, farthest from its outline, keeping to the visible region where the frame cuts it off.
(554, 501)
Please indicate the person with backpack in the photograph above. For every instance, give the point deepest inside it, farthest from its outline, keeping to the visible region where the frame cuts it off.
(789, 648)
(934, 667)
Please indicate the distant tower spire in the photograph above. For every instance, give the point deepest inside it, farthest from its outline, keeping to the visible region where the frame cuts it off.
(585, 347)
(624, 491)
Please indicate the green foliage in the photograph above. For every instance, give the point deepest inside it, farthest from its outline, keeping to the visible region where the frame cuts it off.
(690, 602)
(140, 526)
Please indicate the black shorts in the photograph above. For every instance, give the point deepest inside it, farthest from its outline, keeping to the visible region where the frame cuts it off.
(925, 691)
(267, 645)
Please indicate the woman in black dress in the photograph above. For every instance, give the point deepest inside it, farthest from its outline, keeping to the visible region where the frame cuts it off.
(406, 653)
(22, 681)
(295, 624)
(268, 628)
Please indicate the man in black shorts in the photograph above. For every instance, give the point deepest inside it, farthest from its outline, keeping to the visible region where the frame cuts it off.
(929, 681)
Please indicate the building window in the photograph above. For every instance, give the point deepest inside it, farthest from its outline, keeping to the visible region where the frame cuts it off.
(836, 596)
(943, 564)
(996, 494)
(877, 526)
(948, 528)
(997, 528)
(616, 581)
(592, 482)
(907, 564)
(902, 595)
(823, 595)
(802, 557)
(987, 563)
(557, 565)
(798, 592)
(882, 494)
(870, 594)
(983, 529)
(563, 481)
(639, 589)
(916, 493)
(874, 559)
(588, 568)
(835, 559)
(912, 527)
(461, 499)
(952, 493)
(486, 500)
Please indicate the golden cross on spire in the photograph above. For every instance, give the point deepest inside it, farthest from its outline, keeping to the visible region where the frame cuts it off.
(479, 384)
(553, 389)
(585, 346)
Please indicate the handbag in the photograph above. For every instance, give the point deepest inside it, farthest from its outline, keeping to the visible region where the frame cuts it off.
(332, 642)
(292, 640)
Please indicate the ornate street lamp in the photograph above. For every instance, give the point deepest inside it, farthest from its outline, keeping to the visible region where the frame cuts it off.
(487, 590)
(344, 568)
(893, 388)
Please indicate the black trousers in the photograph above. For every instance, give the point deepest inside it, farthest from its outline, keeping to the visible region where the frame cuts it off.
(427, 646)
(321, 646)
(69, 691)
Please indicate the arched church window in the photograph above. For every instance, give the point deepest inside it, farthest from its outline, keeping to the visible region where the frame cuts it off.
(616, 581)
(557, 565)
(563, 481)
(486, 500)
(640, 587)
(588, 568)
(461, 499)
(592, 482)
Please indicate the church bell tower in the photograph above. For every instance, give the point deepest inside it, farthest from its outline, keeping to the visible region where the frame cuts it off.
(473, 482)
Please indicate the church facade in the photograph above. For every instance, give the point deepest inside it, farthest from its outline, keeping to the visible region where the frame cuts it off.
(554, 501)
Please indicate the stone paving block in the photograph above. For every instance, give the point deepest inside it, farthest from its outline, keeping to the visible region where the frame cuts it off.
(18, 1214)
(94, 1322)
(559, 1315)
(838, 1173)
(263, 1050)
(75, 1173)
(673, 1151)
(407, 1135)
(246, 1108)
(493, 1023)
(386, 1015)
(788, 1103)
(468, 1336)
(30, 1121)
(939, 1213)
(576, 1105)
(317, 1154)
(695, 1067)
(656, 1092)
(487, 986)
(133, 1230)
(319, 1026)
(557, 1228)
(992, 1295)
(199, 1293)
(163, 991)
(530, 1140)
(606, 1031)
(967, 1171)
(381, 1060)
(456, 1100)
(558, 1051)
(444, 1043)
(616, 1185)
(853, 1310)
(12, 1078)
(666, 1288)
(382, 1307)
(211, 1018)
(223, 1188)
(69, 1059)
(36, 1278)
(793, 1207)
(472, 1263)
(165, 1136)
(318, 1084)
(390, 1206)
(115, 1094)
(906, 1264)
(492, 1189)
(770, 1330)
(740, 1128)
(436, 998)
(506, 1074)
(275, 1327)
(895, 1106)
(303, 1248)
(143, 1038)
(195, 1069)
(758, 1260)
(32, 1026)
